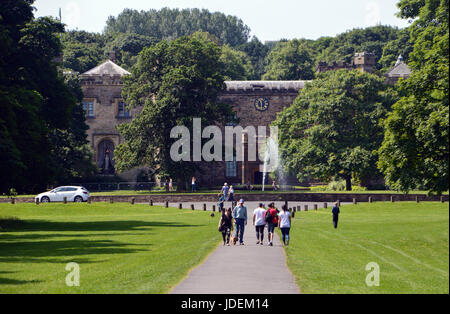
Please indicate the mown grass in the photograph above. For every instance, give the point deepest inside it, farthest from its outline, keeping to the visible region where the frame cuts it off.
(409, 241)
(120, 248)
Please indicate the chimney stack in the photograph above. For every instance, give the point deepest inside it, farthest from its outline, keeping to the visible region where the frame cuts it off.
(112, 56)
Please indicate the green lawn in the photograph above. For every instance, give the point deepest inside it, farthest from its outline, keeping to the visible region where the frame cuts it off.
(409, 241)
(120, 248)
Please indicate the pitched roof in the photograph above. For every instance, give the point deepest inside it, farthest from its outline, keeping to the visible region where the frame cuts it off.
(107, 68)
(400, 69)
(266, 85)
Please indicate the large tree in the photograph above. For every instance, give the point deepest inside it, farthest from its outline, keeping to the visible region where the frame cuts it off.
(236, 64)
(173, 23)
(415, 151)
(257, 52)
(403, 46)
(344, 46)
(82, 50)
(173, 82)
(290, 60)
(127, 47)
(34, 97)
(332, 129)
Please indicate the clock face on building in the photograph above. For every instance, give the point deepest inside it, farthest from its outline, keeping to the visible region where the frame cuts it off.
(262, 104)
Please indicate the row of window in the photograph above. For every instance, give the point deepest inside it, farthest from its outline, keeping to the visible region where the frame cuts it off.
(122, 111)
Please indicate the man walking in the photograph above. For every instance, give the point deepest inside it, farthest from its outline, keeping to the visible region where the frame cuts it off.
(259, 223)
(221, 203)
(335, 212)
(240, 219)
(271, 217)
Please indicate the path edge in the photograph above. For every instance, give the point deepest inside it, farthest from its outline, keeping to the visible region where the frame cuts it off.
(287, 266)
(195, 267)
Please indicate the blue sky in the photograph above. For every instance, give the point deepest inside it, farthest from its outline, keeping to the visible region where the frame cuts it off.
(268, 20)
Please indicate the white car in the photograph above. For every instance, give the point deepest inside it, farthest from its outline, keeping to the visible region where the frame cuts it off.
(73, 194)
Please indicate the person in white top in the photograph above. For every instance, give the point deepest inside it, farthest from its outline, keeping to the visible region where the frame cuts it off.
(259, 222)
(284, 223)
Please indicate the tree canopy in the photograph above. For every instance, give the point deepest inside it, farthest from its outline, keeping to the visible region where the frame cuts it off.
(34, 97)
(185, 77)
(332, 129)
(415, 150)
(173, 23)
(292, 60)
(371, 39)
(82, 50)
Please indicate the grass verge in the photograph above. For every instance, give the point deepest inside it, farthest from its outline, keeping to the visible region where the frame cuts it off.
(409, 242)
(120, 248)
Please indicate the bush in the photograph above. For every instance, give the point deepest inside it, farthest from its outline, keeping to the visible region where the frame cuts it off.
(319, 188)
(11, 193)
(336, 185)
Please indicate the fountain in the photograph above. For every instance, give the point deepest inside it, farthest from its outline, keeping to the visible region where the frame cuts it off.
(272, 162)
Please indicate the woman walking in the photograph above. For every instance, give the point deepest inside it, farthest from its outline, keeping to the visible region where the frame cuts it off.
(170, 185)
(226, 226)
(284, 223)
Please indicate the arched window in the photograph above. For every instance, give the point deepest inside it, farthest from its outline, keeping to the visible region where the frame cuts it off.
(105, 154)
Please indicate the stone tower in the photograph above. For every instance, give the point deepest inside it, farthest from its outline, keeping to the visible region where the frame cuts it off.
(364, 61)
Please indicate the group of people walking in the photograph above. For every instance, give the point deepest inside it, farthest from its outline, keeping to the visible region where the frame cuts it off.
(236, 220)
(233, 222)
(273, 218)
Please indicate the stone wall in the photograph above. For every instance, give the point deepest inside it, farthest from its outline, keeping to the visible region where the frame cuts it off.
(297, 197)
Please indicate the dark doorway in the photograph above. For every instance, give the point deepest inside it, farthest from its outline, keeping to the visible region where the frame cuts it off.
(105, 161)
(258, 178)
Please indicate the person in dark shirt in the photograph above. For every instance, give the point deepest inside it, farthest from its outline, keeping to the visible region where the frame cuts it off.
(221, 203)
(335, 212)
(226, 226)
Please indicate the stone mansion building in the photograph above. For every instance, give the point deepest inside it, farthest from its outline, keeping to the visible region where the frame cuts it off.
(255, 103)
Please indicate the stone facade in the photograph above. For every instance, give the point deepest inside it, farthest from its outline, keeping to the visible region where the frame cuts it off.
(256, 103)
(102, 89)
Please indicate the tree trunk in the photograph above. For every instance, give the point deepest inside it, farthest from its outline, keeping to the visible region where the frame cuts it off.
(181, 185)
(348, 183)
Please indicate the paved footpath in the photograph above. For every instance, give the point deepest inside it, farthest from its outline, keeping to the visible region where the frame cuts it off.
(245, 269)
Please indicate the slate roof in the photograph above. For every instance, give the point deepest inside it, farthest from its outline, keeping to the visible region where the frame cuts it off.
(265, 85)
(400, 69)
(107, 68)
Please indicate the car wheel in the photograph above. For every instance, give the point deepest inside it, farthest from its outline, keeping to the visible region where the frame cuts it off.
(78, 199)
(45, 199)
